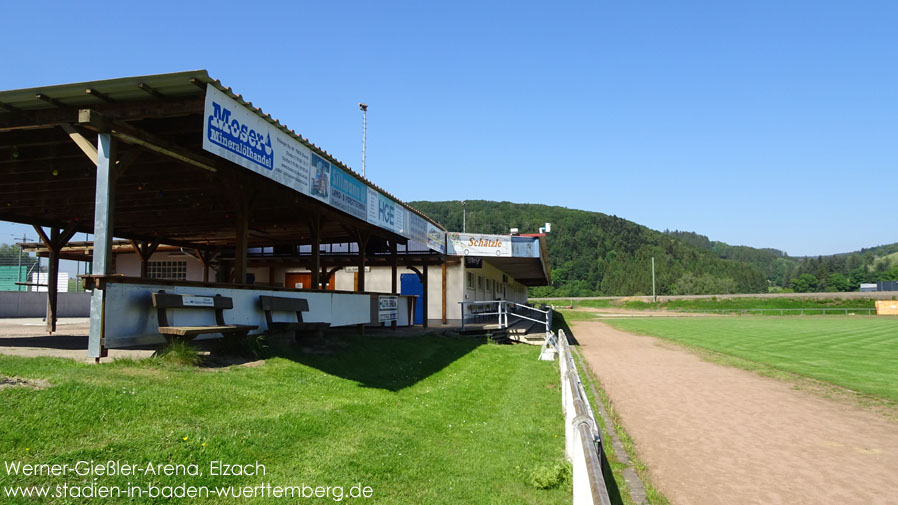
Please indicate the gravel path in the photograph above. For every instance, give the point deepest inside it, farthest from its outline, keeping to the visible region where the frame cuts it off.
(711, 434)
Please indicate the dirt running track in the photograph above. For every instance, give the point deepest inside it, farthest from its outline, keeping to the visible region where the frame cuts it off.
(711, 434)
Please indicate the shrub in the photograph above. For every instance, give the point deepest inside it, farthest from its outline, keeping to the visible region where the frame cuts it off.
(179, 352)
(550, 476)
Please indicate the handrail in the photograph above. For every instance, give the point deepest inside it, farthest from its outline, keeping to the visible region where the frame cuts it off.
(548, 309)
(503, 312)
(583, 441)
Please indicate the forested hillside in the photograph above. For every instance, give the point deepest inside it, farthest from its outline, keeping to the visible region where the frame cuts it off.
(838, 272)
(595, 254)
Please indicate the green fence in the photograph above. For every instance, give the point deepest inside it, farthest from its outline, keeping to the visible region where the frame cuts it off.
(10, 275)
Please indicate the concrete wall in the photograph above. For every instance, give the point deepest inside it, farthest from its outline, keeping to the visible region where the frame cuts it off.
(34, 304)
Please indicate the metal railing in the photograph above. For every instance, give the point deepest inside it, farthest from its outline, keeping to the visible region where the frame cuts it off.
(582, 438)
(482, 312)
(782, 312)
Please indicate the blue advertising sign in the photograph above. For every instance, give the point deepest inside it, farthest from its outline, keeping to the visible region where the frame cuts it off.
(348, 194)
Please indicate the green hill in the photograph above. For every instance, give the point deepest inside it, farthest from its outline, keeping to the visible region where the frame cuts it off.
(594, 254)
(837, 272)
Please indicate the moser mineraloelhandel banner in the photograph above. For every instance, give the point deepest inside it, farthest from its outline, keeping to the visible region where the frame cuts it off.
(237, 134)
(472, 244)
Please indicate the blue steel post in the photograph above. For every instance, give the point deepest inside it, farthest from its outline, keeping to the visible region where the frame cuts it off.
(103, 213)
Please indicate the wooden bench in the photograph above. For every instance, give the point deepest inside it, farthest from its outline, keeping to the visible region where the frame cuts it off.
(298, 305)
(163, 302)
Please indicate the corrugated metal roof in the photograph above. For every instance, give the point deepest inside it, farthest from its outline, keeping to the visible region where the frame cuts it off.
(149, 87)
(126, 89)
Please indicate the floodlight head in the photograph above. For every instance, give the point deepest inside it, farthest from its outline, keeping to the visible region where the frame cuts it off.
(363, 106)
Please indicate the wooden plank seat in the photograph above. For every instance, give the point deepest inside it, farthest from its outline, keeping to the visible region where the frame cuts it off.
(163, 302)
(297, 305)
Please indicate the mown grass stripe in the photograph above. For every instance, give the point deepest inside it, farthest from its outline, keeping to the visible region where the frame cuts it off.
(854, 353)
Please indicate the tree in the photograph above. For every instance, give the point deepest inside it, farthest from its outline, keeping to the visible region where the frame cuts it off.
(837, 282)
(805, 283)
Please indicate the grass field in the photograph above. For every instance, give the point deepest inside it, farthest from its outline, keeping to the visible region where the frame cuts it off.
(427, 420)
(858, 353)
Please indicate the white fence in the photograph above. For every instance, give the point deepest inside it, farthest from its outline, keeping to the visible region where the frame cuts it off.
(582, 438)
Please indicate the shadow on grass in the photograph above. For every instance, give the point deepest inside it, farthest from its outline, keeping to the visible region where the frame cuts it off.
(391, 363)
(559, 323)
(57, 341)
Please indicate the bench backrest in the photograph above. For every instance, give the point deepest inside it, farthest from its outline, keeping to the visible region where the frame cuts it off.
(280, 303)
(163, 301)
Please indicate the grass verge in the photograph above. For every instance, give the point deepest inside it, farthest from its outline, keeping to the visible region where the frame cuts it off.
(427, 420)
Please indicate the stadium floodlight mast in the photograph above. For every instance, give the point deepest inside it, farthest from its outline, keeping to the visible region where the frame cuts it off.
(364, 108)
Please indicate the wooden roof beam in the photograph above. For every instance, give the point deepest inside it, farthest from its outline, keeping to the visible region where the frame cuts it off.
(149, 89)
(86, 146)
(50, 100)
(98, 122)
(101, 96)
(122, 111)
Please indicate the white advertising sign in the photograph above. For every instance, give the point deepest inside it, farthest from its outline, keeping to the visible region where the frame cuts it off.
(198, 301)
(239, 135)
(384, 212)
(436, 239)
(236, 133)
(387, 308)
(472, 244)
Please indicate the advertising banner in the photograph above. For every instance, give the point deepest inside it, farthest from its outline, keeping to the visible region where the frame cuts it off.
(472, 244)
(417, 228)
(320, 177)
(385, 213)
(237, 134)
(349, 194)
(436, 239)
(387, 308)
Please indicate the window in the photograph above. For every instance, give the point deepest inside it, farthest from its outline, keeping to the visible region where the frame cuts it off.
(170, 270)
(479, 282)
(470, 280)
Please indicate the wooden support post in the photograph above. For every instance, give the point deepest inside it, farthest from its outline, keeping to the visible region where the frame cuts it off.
(328, 274)
(52, 281)
(394, 269)
(363, 237)
(204, 258)
(144, 252)
(55, 242)
(315, 227)
(425, 298)
(241, 243)
(444, 291)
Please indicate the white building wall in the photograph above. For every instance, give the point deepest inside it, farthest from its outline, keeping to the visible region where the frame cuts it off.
(129, 264)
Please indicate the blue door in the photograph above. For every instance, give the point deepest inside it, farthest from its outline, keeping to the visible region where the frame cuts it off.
(410, 285)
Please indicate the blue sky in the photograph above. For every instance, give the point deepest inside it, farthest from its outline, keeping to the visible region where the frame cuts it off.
(764, 123)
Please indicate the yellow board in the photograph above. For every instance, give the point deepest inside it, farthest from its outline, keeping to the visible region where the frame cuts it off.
(886, 308)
